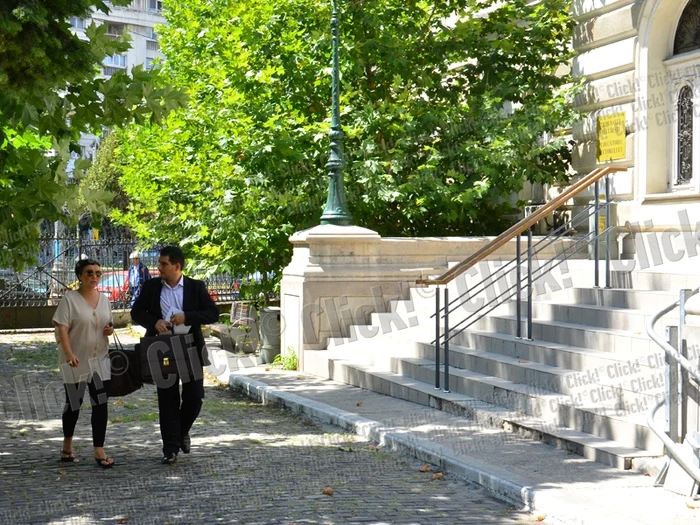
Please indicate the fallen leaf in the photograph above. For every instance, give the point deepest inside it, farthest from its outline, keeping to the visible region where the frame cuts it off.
(522, 361)
(328, 491)
(373, 448)
(124, 520)
(267, 369)
(345, 449)
(438, 475)
(691, 505)
(62, 472)
(541, 517)
(119, 401)
(359, 403)
(425, 468)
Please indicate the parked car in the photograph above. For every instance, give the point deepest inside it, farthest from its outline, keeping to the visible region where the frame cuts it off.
(115, 286)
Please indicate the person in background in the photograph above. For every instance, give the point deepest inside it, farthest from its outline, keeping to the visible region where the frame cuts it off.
(138, 275)
(83, 322)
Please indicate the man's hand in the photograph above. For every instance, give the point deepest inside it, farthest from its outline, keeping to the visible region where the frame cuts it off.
(178, 318)
(108, 330)
(162, 326)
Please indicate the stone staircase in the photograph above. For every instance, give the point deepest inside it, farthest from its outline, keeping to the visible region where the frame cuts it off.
(585, 382)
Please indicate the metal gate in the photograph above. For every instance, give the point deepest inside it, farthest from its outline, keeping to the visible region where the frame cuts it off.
(54, 273)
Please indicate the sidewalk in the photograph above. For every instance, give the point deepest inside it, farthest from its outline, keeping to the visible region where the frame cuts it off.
(563, 487)
(250, 464)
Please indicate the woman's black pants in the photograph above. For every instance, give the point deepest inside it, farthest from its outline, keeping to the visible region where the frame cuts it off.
(98, 398)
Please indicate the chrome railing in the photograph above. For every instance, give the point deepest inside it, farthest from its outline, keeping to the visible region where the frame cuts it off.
(674, 451)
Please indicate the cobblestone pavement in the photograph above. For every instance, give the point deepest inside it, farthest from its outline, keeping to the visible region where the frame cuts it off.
(249, 464)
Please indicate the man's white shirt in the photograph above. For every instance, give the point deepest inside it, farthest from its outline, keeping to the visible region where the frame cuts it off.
(171, 303)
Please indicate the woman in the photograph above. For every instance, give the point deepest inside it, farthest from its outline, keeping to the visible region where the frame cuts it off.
(83, 323)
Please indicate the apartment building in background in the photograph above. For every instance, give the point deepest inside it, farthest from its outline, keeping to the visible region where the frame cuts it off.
(140, 19)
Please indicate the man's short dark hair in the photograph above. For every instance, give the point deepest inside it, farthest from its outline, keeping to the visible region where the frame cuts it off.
(174, 254)
(82, 263)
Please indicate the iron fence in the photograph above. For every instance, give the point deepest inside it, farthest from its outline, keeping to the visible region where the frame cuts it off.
(54, 273)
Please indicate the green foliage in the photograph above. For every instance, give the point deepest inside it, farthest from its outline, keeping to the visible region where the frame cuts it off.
(101, 180)
(443, 121)
(49, 95)
(286, 361)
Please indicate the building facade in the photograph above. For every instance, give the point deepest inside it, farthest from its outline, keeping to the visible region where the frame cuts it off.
(140, 20)
(641, 62)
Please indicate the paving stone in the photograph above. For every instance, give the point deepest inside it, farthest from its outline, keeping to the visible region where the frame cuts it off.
(249, 463)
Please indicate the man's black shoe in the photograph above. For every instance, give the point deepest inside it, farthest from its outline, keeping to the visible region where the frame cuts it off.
(169, 458)
(186, 444)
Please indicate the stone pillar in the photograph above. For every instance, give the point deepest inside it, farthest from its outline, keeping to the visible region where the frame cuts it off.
(328, 281)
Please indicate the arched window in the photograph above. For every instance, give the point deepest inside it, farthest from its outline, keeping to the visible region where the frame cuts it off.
(684, 172)
(683, 70)
(688, 32)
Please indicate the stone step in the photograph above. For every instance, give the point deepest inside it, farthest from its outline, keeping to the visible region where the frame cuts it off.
(631, 275)
(626, 426)
(569, 326)
(621, 309)
(633, 320)
(619, 298)
(592, 447)
(606, 379)
(535, 389)
(561, 355)
(626, 342)
(610, 387)
(636, 290)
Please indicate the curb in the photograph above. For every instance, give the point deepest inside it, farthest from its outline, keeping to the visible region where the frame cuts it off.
(513, 492)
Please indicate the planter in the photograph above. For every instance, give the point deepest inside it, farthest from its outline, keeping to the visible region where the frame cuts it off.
(271, 333)
(244, 340)
(227, 343)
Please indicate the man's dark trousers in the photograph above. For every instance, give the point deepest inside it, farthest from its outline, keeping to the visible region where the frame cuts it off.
(177, 414)
(176, 418)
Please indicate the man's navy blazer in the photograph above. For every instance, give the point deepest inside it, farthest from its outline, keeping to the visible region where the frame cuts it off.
(197, 304)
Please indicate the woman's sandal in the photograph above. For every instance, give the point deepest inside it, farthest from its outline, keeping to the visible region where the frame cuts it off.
(104, 462)
(68, 457)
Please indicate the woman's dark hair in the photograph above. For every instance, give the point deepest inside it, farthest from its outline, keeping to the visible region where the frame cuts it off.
(175, 255)
(81, 264)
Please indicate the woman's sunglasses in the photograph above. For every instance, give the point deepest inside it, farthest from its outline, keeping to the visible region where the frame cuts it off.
(93, 273)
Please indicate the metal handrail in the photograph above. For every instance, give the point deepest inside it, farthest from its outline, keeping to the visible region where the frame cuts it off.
(561, 230)
(511, 291)
(449, 333)
(521, 226)
(672, 448)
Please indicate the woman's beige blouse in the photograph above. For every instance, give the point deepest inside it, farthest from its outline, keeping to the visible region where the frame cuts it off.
(87, 341)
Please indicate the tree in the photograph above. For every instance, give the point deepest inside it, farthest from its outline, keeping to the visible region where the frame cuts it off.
(49, 95)
(443, 120)
(102, 175)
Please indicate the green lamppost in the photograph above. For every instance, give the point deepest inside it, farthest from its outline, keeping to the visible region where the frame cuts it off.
(336, 211)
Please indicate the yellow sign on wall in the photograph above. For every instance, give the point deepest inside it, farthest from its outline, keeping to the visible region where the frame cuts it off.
(611, 137)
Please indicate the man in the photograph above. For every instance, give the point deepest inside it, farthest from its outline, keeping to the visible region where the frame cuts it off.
(138, 275)
(189, 303)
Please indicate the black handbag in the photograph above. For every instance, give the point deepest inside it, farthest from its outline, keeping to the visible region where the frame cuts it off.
(126, 370)
(167, 358)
